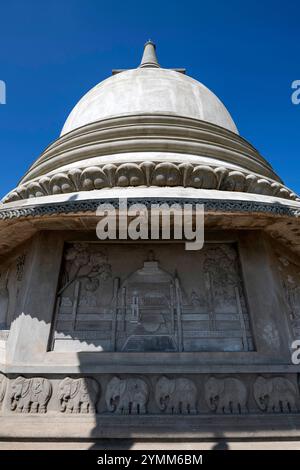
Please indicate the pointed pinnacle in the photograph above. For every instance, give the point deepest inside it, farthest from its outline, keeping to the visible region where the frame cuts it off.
(149, 58)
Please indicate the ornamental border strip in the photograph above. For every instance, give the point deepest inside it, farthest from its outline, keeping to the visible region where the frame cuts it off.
(68, 207)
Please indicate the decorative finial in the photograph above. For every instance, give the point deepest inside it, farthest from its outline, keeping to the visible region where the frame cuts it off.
(149, 58)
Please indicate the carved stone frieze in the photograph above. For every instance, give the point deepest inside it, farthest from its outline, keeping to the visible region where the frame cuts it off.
(149, 174)
(90, 206)
(194, 394)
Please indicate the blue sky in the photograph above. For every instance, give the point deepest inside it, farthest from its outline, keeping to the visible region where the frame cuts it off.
(52, 52)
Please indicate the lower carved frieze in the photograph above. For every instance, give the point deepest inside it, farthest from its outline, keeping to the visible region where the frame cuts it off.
(151, 394)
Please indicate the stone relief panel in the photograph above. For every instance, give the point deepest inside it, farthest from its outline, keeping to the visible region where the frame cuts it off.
(227, 396)
(78, 395)
(290, 276)
(11, 275)
(151, 298)
(134, 395)
(30, 395)
(127, 396)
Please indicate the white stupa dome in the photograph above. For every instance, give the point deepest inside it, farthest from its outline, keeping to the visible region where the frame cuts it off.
(149, 89)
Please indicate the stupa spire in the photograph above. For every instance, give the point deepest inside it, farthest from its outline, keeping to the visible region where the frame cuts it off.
(149, 58)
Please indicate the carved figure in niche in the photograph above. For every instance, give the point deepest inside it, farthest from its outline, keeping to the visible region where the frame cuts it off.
(226, 396)
(30, 395)
(275, 395)
(3, 387)
(176, 396)
(127, 396)
(4, 299)
(78, 395)
(85, 263)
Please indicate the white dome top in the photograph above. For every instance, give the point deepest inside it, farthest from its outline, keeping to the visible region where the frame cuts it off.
(149, 89)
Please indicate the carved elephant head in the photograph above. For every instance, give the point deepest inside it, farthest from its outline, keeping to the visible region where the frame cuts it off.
(164, 389)
(20, 389)
(68, 389)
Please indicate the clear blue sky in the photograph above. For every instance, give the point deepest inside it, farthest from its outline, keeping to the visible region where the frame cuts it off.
(52, 52)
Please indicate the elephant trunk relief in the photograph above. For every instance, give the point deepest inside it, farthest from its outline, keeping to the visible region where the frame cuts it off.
(30, 395)
(228, 395)
(78, 395)
(275, 395)
(176, 396)
(127, 396)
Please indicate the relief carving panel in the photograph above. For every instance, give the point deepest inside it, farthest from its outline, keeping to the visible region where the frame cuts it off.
(290, 276)
(151, 298)
(134, 395)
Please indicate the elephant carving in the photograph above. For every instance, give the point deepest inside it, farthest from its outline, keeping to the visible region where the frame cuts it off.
(176, 396)
(127, 396)
(3, 386)
(275, 395)
(228, 395)
(30, 395)
(78, 395)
